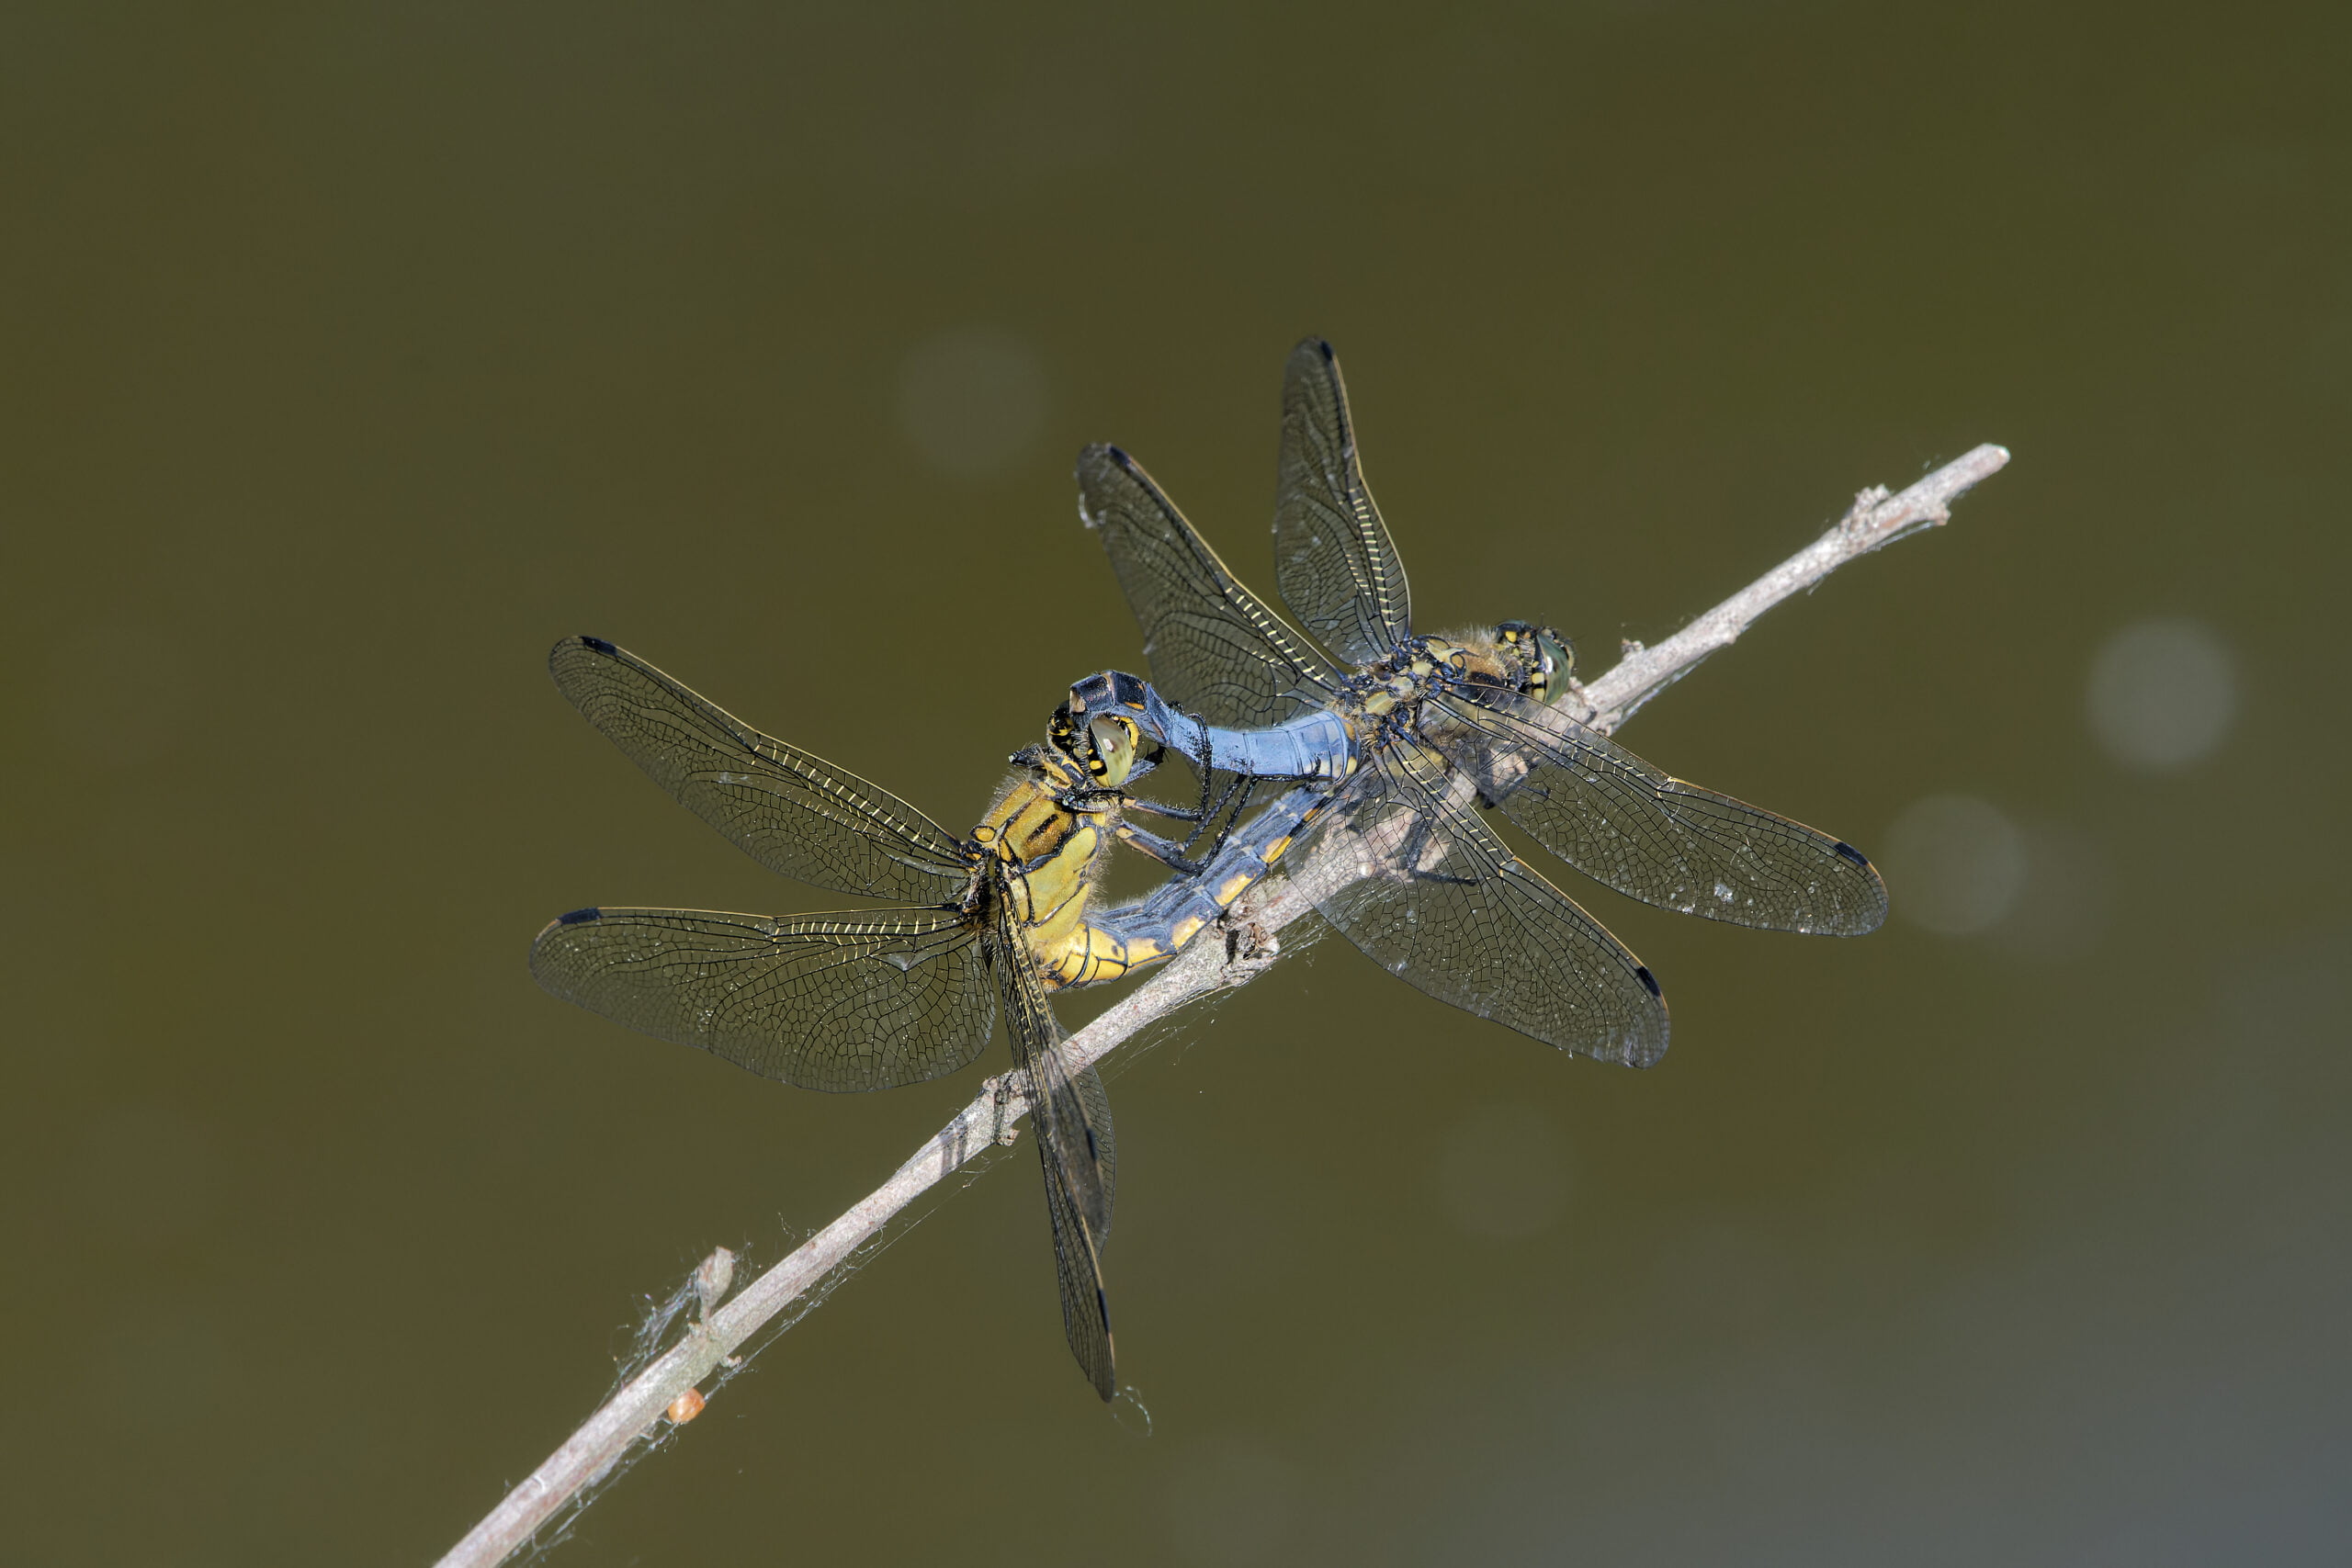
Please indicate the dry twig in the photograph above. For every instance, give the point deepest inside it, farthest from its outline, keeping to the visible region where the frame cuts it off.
(1333, 861)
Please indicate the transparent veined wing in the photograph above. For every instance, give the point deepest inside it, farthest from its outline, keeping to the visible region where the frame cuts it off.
(843, 1002)
(1630, 825)
(1070, 1115)
(1212, 646)
(795, 814)
(1454, 913)
(1334, 562)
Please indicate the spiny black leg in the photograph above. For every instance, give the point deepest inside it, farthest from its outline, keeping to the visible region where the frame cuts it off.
(1205, 765)
(1160, 809)
(1243, 788)
(1228, 804)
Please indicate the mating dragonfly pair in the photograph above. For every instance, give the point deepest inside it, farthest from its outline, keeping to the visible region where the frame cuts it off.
(1404, 740)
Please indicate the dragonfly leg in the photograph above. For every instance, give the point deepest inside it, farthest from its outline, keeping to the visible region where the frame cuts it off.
(1166, 850)
(1160, 808)
(1094, 800)
(1205, 767)
(1229, 806)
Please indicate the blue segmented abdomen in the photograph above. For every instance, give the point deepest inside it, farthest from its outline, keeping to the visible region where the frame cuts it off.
(1171, 915)
(1312, 746)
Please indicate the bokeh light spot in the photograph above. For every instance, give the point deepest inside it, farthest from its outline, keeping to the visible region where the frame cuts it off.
(1954, 864)
(2161, 694)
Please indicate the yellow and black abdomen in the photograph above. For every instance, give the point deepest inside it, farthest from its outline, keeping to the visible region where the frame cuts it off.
(1048, 858)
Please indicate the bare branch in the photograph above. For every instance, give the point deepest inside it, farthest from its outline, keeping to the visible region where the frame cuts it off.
(1875, 520)
(1334, 859)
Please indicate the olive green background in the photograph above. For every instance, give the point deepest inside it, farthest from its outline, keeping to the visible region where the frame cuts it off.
(349, 354)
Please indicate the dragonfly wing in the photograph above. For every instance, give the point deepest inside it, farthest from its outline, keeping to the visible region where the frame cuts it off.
(793, 813)
(1336, 566)
(1652, 836)
(844, 1002)
(1213, 648)
(1455, 914)
(1105, 1139)
(1078, 1271)
(1072, 1116)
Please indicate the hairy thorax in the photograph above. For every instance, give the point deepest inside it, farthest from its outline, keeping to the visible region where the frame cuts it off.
(1401, 683)
(1050, 856)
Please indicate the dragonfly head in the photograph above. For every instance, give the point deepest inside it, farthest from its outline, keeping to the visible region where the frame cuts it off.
(1106, 745)
(1544, 656)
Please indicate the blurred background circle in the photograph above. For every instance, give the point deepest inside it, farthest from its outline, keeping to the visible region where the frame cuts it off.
(2162, 694)
(1954, 864)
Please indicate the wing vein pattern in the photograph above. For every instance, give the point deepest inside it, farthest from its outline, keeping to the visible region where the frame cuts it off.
(1070, 1115)
(793, 813)
(1334, 564)
(846, 1002)
(1454, 913)
(1213, 647)
(1629, 825)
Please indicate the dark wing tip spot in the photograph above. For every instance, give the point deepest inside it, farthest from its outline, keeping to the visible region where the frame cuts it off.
(580, 916)
(594, 644)
(1853, 855)
(1641, 973)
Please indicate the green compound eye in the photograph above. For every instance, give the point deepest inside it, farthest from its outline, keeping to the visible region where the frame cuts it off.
(1557, 659)
(1113, 740)
(1547, 656)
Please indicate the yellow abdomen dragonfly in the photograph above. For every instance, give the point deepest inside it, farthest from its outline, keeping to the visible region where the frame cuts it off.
(874, 998)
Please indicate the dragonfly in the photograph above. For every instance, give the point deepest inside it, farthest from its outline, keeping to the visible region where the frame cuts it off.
(875, 999)
(1411, 741)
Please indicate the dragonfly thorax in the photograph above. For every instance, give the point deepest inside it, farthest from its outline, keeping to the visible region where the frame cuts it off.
(1516, 657)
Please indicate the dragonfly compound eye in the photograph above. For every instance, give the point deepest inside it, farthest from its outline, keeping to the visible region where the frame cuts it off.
(1558, 659)
(1112, 743)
